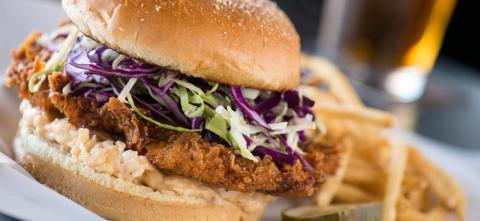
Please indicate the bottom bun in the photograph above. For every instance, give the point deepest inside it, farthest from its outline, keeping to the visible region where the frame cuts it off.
(111, 197)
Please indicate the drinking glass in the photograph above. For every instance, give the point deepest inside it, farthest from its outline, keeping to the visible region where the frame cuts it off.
(389, 45)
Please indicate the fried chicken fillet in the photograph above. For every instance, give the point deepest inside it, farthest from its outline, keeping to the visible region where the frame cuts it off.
(179, 153)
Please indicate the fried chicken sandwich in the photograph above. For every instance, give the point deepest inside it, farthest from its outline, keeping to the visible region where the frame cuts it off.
(169, 109)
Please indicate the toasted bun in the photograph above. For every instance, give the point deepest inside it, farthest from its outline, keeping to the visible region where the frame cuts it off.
(110, 197)
(243, 43)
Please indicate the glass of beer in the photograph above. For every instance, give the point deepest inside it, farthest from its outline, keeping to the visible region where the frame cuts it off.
(389, 45)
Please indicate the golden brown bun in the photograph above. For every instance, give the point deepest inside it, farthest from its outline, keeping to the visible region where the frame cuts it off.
(110, 197)
(243, 43)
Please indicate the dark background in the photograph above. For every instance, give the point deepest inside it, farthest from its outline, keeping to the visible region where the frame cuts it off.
(463, 34)
(461, 43)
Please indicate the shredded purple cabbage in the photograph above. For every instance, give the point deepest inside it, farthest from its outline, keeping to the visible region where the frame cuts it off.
(277, 155)
(96, 79)
(245, 107)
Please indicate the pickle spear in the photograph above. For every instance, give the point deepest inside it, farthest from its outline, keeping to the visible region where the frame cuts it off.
(343, 212)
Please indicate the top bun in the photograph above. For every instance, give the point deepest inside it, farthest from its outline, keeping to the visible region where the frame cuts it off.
(248, 43)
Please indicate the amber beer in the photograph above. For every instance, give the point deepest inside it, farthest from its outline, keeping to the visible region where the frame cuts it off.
(386, 35)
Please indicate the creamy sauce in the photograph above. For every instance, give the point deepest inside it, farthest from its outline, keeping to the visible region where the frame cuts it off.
(111, 157)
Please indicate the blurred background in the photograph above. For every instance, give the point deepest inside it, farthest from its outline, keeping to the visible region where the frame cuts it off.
(448, 111)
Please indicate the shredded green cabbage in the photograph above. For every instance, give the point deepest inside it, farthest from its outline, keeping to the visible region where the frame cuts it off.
(126, 89)
(36, 80)
(250, 93)
(190, 86)
(214, 88)
(281, 111)
(187, 100)
(207, 97)
(218, 126)
(117, 61)
(292, 140)
(240, 142)
(54, 64)
(151, 120)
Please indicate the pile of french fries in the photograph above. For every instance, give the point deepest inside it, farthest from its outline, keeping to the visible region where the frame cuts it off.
(374, 165)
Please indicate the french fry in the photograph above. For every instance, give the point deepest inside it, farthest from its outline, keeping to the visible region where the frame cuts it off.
(336, 81)
(356, 175)
(404, 204)
(378, 166)
(434, 215)
(351, 194)
(416, 198)
(361, 162)
(438, 213)
(330, 187)
(445, 188)
(394, 181)
(380, 118)
(318, 95)
(365, 135)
